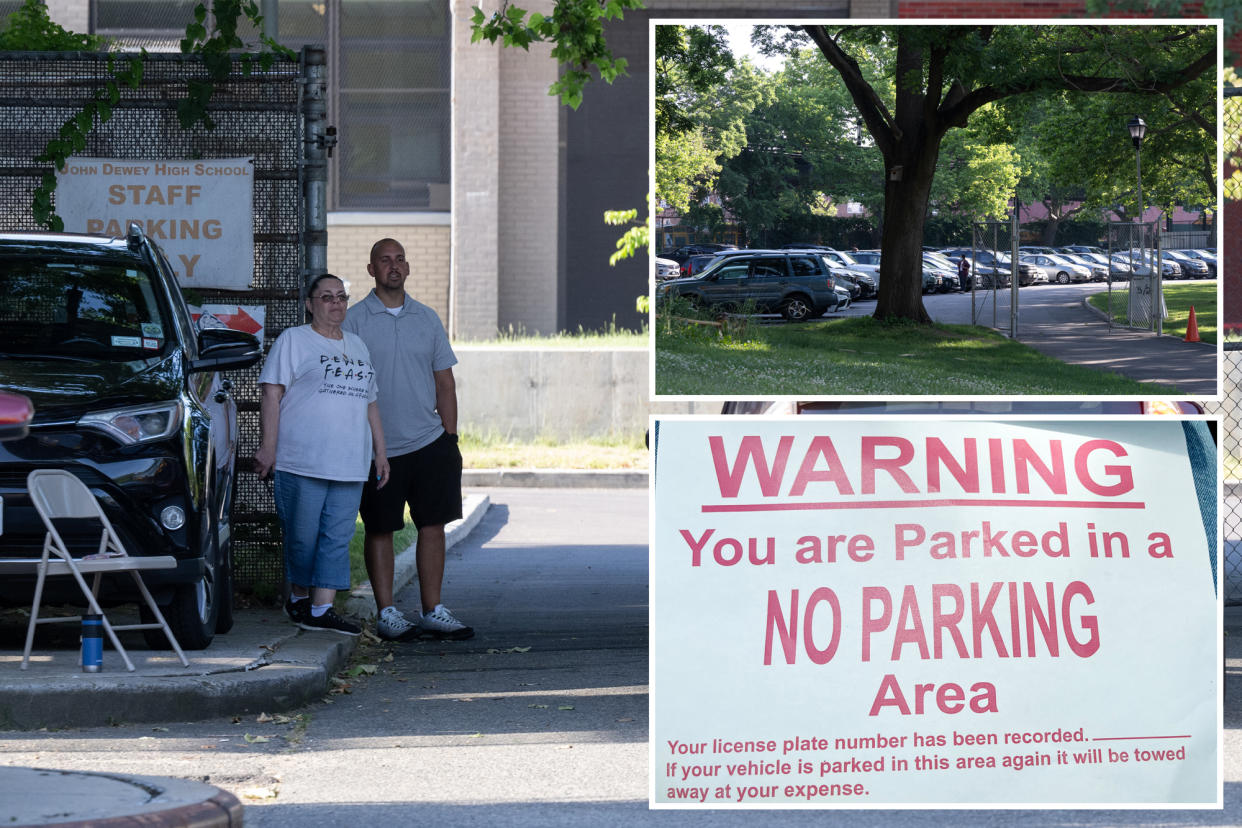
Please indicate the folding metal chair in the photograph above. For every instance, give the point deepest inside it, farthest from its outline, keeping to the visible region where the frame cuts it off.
(59, 494)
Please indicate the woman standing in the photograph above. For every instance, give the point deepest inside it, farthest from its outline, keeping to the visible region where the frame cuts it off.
(320, 426)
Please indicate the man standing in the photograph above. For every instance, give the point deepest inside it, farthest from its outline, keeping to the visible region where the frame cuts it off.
(963, 273)
(418, 408)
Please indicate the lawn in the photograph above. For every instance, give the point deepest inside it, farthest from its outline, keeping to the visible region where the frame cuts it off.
(493, 451)
(1177, 299)
(865, 356)
(400, 542)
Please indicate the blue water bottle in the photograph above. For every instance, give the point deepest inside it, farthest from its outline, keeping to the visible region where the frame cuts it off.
(92, 643)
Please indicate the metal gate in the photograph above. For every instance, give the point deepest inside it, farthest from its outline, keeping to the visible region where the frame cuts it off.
(257, 113)
(998, 241)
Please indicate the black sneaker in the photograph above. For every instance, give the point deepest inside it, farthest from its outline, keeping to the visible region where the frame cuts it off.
(297, 610)
(329, 621)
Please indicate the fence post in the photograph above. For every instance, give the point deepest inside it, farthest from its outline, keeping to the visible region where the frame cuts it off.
(317, 143)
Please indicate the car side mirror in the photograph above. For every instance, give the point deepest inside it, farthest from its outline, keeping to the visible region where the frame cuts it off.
(224, 349)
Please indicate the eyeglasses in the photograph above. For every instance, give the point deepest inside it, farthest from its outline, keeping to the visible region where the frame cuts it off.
(331, 298)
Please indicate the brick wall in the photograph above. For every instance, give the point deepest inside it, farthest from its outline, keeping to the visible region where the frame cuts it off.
(529, 187)
(426, 248)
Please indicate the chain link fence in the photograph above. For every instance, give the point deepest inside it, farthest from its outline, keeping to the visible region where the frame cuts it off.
(1230, 439)
(256, 114)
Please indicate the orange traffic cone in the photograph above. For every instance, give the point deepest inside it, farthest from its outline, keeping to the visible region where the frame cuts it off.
(1192, 327)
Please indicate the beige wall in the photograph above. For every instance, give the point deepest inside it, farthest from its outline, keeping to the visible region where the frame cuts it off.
(426, 248)
(74, 15)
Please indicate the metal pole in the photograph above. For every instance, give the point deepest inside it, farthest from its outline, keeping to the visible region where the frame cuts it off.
(1015, 275)
(317, 141)
(271, 26)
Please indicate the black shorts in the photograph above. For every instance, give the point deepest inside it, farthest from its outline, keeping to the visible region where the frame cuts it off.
(429, 479)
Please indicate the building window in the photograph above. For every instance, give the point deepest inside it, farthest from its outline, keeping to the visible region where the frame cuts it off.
(389, 73)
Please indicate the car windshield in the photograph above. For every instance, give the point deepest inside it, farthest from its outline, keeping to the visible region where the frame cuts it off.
(87, 309)
(711, 267)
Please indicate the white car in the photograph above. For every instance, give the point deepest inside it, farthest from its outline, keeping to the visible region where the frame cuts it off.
(667, 269)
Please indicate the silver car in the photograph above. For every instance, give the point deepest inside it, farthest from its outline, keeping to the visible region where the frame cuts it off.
(1057, 268)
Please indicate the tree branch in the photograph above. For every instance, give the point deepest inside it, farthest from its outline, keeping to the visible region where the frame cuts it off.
(874, 113)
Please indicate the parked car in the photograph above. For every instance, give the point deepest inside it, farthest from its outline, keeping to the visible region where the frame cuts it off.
(1192, 267)
(128, 396)
(993, 408)
(1207, 257)
(667, 269)
(1111, 269)
(1139, 260)
(696, 263)
(796, 284)
(1099, 272)
(16, 412)
(684, 252)
(1081, 248)
(1058, 268)
(851, 262)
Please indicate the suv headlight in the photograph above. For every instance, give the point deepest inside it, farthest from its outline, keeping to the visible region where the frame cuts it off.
(136, 423)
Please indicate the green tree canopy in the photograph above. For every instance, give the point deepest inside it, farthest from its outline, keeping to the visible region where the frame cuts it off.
(945, 74)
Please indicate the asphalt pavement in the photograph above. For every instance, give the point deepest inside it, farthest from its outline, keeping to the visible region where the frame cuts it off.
(263, 665)
(1057, 320)
(35, 796)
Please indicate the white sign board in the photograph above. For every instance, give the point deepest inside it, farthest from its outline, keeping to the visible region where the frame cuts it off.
(898, 612)
(200, 212)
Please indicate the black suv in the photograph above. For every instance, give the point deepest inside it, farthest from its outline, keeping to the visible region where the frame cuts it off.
(797, 285)
(128, 397)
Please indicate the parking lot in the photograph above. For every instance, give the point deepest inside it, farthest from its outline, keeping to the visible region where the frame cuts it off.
(1038, 304)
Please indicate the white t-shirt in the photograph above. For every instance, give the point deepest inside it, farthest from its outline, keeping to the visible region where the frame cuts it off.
(323, 414)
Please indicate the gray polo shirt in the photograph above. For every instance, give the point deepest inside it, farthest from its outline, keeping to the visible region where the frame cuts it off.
(405, 350)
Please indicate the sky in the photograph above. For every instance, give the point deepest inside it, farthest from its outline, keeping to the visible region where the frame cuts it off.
(739, 43)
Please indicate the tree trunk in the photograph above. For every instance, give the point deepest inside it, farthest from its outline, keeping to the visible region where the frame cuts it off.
(901, 266)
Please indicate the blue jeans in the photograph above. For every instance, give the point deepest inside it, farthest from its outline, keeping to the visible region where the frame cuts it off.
(318, 518)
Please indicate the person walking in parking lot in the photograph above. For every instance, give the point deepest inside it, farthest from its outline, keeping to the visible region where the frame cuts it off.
(418, 407)
(963, 273)
(319, 389)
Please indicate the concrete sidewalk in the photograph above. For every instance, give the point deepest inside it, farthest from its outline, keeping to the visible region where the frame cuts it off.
(1191, 367)
(264, 664)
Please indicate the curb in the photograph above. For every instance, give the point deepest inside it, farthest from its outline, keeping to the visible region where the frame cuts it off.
(101, 800)
(298, 670)
(1103, 317)
(556, 478)
(361, 600)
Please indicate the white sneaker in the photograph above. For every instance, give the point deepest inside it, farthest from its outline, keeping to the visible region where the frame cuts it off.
(440, 623)
(393, 626)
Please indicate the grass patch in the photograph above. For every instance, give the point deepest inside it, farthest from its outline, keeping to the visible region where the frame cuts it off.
(610, 336)
(1177, 299)
(493, 451)
(865, 356)
(357, 562)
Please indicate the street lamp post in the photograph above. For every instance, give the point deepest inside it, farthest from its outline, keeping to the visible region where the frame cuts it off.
(1138, 128)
